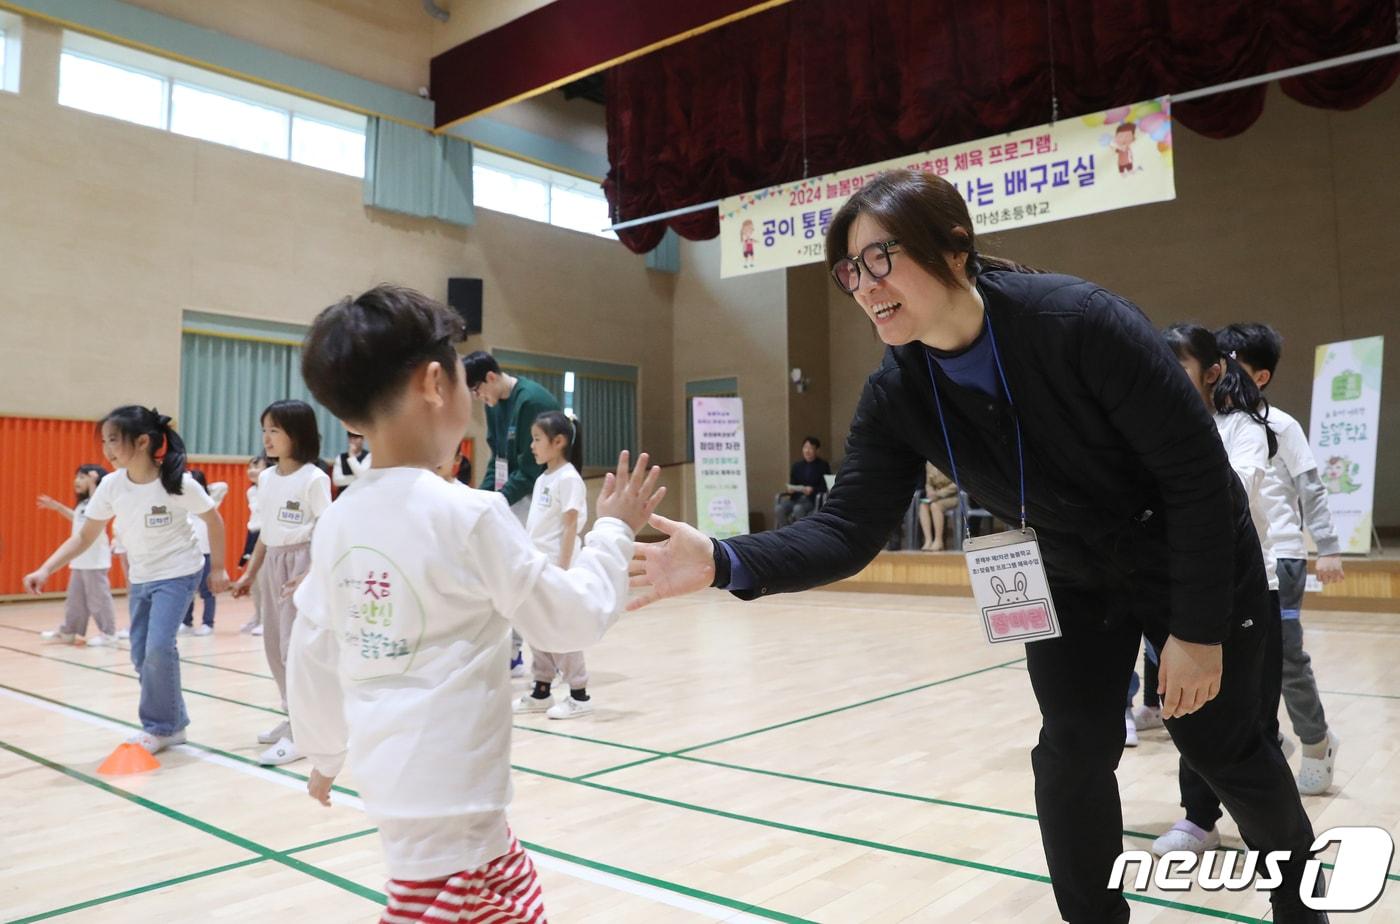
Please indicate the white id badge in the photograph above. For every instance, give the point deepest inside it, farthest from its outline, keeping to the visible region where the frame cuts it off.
(502, 473)
(1008, 580)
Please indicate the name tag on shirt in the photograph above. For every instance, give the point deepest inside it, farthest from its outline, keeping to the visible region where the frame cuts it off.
(158, 518)
(1012, 591)
(291, 513)
(502, 473)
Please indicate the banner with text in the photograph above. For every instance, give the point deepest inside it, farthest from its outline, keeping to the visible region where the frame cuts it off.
(1096, 163)
(1346, 411)
(721, 484)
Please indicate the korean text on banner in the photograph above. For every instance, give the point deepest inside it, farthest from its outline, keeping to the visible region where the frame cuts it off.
(721, 482)
(1096, 163)
(1346, 410)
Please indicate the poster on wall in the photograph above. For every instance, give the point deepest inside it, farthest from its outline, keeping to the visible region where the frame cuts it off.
(1095, 163)
(1346, 410)
(721, 482)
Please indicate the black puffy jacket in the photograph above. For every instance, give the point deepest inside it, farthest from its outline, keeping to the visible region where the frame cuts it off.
(1127, 483)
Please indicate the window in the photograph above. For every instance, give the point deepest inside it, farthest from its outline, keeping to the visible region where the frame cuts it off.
(117, 81)
(505, 184)
(111, 90)
(328, 146)
(9, 52)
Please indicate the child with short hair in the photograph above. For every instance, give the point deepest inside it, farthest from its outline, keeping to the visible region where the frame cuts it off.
(217, 492)
(89, 585)
(148, 495)
(292, 495)
(398, 660)
(1292, 486)
(558, 513)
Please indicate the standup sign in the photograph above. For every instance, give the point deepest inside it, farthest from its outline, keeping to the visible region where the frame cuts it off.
(721, 482)
(1346, 410)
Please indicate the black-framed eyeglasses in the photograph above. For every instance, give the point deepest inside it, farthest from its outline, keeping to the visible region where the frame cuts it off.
(876, 260)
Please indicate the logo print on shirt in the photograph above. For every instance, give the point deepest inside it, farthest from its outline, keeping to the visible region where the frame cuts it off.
(158, 517)
(291, 513)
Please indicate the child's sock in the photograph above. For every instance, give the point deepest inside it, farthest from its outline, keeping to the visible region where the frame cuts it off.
(581, 694)
(541, 690)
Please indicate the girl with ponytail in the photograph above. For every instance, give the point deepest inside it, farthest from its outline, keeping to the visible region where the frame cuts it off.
(149, 496)
(558, 512)
(1241, 415)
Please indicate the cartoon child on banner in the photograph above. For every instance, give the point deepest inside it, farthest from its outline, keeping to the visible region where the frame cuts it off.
(1123, 137)
(746, 237)
(1338, 473)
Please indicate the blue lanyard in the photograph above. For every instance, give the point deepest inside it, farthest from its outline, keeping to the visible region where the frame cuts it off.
(942, 422)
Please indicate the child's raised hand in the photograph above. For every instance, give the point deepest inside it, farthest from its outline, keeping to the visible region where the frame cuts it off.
(318, 787)
(46, 501)
(631, 496)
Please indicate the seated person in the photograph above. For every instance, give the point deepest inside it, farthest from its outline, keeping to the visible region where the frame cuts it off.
(806, 483)
(940, 496)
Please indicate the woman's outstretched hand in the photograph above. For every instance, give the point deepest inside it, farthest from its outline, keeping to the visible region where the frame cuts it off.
(680, 564)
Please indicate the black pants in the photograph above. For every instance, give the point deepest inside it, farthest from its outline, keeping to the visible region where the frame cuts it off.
(1079, 681)
(1200, 801)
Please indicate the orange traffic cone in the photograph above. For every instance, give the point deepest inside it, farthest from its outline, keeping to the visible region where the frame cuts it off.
(128, 758)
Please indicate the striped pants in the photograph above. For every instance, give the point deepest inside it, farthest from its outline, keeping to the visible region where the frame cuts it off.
(504, 891)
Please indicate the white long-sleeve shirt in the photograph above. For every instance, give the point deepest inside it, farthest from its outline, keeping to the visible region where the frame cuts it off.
(1293, 488)
(1247, 445)
(399, 659)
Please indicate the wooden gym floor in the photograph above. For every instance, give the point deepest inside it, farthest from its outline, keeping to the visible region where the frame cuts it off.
(830, 757)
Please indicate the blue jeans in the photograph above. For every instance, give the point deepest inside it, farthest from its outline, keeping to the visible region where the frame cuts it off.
(206, 596)
(156, 610)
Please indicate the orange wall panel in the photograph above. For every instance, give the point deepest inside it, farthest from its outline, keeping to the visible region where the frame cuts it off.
(39, 456)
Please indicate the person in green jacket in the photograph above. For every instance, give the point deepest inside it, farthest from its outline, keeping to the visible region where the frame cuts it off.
(512, 404)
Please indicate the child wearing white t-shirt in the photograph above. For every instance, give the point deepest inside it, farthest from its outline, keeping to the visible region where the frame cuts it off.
(1239, 412)
(292, 495)
(149, 501)
(217, 492)
(89, 586)
(398, 662)
(558, 512)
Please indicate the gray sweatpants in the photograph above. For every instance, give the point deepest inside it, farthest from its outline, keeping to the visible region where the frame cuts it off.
(569, 664)
(1299, 686)
(280, 564)
(89, 595)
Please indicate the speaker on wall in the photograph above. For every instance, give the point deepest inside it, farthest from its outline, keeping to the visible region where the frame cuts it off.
(464, 295)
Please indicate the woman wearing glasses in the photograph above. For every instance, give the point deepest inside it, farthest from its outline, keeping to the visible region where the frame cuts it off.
(1055, 403)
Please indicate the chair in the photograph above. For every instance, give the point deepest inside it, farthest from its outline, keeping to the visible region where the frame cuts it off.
(954, 541)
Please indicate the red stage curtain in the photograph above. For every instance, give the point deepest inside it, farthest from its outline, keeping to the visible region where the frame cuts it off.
(836, 84)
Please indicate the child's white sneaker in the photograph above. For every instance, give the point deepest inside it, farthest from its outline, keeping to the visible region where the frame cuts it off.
(276, 733)
(57, 635)
(527, 704)
(202, 629)
(185, 630)
(1145, 717)
(1186, 836)
(257, 630)
(154, 744)
(123, 634)
(102, 641)
(569, 708)
(1315, 773)
(283, 752)
(248, 627)
(1130, 736)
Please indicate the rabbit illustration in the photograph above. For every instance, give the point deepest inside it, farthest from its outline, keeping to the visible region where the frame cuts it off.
(1016, 595)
